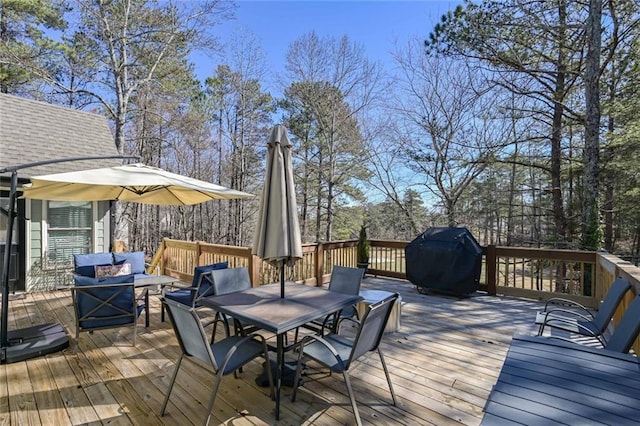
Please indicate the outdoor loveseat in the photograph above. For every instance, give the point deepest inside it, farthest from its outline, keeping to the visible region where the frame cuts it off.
(100, 265)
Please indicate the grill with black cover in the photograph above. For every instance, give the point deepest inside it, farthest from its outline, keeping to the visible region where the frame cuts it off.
(447, 260)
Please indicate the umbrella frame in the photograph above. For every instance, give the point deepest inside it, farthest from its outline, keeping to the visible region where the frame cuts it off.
(5, 348)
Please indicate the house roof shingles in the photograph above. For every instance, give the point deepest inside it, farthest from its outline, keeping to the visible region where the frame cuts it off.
(32, 131)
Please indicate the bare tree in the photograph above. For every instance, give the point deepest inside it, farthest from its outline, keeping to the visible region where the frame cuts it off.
(449, 129)
(333, 82)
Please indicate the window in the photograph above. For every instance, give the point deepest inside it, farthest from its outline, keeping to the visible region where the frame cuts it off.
(70, 229)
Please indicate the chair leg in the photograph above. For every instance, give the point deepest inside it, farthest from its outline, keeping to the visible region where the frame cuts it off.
(212, 398)
(386, 373)
(296, 379)
(173, 380)
(356, 413)
(215, 328)
(135, 331)
(269, 375)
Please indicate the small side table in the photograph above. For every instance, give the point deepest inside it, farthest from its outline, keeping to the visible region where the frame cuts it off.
(373, 296)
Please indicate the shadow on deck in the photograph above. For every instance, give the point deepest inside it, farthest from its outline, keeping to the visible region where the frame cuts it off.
(443, 362)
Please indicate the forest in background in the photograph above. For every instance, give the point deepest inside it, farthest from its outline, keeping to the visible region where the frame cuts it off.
(519, 120)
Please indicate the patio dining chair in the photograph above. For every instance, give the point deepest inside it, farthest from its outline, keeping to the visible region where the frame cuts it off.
(338, 353)
(223, 357)
(575, 318)
(343, 280)
(102, 303)
(231, 280)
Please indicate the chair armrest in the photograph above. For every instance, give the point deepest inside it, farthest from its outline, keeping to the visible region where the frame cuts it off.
(567, 313)
(566, 302)
(549, 320)
(356, 321)
(177, 285)
(326, 344)
(98, 286)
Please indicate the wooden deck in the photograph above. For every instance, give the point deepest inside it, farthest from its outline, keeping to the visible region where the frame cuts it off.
(443, 362)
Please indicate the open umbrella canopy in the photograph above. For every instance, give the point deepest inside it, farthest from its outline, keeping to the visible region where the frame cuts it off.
(277, 239)
(133, 182)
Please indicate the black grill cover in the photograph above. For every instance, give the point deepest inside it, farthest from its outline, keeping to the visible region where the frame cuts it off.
(447, 260)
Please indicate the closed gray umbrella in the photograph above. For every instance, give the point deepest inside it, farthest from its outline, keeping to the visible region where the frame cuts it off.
(277, 239)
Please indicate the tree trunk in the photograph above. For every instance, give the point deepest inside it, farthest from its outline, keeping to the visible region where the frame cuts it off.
(590, 212)
(559, 216)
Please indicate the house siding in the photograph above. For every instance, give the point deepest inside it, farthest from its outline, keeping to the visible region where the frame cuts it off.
(41, 276)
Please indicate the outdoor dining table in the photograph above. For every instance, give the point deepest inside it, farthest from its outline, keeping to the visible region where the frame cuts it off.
(263, 307)
(550, 381)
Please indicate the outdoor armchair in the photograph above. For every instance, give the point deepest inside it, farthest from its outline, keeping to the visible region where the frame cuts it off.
(575, 318)
(338, 353)
(201, 286)
(223, 357)
(102, 303)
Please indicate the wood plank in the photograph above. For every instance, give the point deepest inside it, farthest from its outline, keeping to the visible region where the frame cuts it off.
(77, 381)
(22, 401)
(444, 361)
(48, 400)
(5, 412)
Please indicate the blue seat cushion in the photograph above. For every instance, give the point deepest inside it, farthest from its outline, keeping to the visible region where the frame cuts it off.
(88, 300)
(135, 258)
(84, 264)
(184, 296)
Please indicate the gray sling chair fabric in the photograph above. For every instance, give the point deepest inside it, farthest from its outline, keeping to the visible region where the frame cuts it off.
(338, 353)
(231, 280)
(224, 357)
(347, 281)
(625, 333)
(580, 320)
(627, 330)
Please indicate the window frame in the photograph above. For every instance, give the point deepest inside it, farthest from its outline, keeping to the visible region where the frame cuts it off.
(47, 228)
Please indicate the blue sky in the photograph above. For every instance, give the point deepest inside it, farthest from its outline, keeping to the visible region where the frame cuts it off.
(374, 24)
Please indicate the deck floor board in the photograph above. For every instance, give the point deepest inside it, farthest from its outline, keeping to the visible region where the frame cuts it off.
(443, 361)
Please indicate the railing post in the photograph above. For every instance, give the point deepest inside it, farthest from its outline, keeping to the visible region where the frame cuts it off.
(164, 256)
(319, 264)
(490, 265)
(254, 269)
(199, 254)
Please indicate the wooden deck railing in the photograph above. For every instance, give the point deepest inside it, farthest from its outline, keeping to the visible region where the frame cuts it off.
(524, 272)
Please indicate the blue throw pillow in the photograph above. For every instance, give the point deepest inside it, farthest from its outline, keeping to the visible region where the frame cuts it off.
(84, 264)
(199, 270)
(135, 258)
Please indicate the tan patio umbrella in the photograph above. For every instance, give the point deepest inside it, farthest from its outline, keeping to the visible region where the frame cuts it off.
(133, 182)
(277, 239)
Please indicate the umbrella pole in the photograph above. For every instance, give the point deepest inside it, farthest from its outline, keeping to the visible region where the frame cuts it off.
(282, 280)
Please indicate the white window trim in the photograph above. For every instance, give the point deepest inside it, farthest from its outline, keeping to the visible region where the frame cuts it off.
(45, 227)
